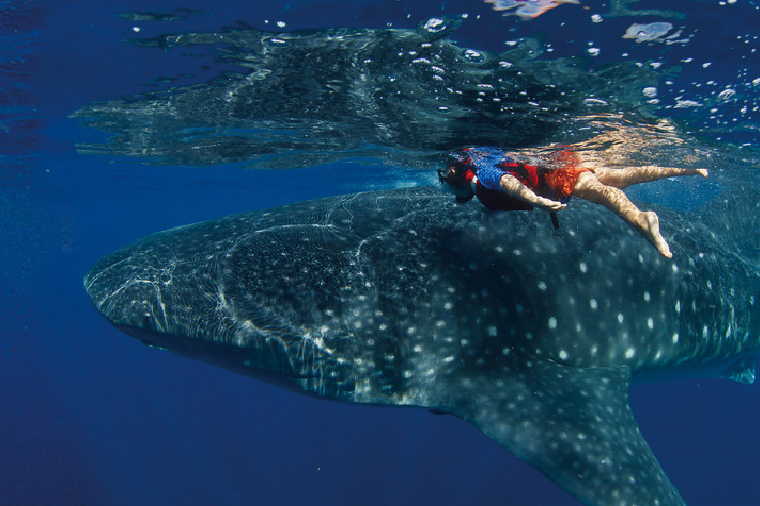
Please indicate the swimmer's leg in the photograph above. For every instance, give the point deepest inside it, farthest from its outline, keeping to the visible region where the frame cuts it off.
(647, 224)
(627, 176)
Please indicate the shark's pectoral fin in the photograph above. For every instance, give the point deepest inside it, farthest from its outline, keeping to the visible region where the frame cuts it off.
(742, 371)
(574, 425)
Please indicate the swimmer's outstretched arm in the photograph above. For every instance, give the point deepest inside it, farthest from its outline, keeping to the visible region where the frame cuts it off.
(512, 186)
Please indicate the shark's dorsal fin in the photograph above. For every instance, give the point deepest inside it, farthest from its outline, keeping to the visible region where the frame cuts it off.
(574, 425)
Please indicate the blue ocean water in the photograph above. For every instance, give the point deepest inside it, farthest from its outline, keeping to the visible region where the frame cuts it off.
(90, 416)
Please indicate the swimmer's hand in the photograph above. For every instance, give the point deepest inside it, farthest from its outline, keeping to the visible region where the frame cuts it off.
(549, 205)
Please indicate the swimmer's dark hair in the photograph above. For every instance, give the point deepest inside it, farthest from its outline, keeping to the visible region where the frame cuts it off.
(454, 175)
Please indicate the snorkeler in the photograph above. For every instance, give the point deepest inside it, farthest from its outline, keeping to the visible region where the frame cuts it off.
(502, 183)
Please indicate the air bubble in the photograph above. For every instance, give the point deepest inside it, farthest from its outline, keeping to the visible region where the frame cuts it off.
(474, 56)
(649, 92)
(434, 25)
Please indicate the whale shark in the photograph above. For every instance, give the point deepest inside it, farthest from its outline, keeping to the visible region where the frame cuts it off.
(403, 297)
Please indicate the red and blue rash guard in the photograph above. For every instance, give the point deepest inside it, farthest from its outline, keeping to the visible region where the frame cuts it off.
(555, 182)
(485, 162)
(490, 164)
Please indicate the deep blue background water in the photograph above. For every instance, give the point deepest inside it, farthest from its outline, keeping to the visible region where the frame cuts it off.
(89, 416)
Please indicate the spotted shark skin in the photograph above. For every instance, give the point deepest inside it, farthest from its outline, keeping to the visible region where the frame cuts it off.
(402, 297)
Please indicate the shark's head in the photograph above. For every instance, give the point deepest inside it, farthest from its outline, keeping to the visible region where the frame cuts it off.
(140, 289)
(128, 295)
(154, 290)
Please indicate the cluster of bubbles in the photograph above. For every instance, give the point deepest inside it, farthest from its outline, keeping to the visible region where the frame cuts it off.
(652, 32)
(526, 9)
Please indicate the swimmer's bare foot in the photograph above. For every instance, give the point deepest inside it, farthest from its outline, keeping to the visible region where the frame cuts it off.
(702, 172)
(651, 227)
